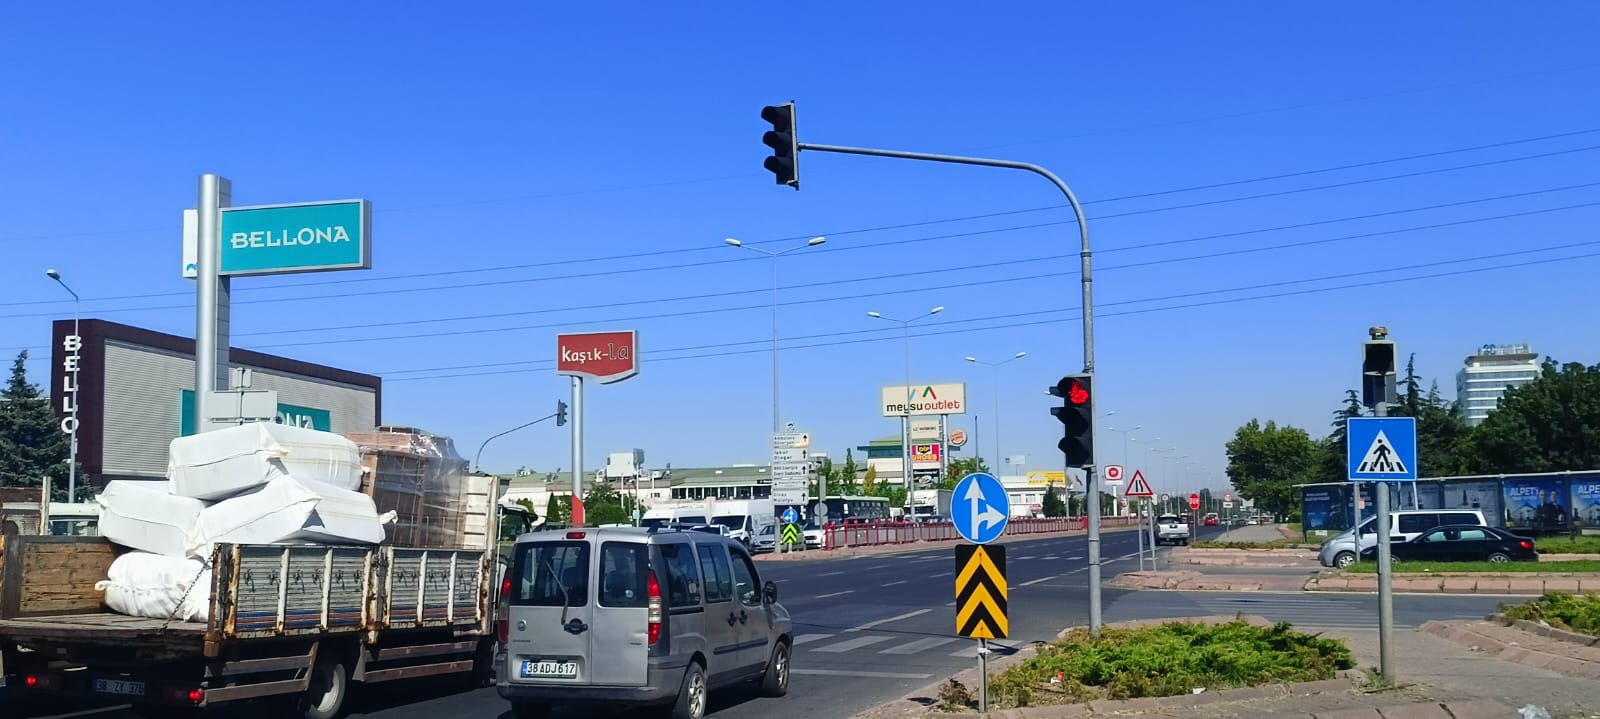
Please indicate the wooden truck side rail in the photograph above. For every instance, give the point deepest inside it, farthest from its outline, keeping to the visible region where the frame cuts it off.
(41, 576)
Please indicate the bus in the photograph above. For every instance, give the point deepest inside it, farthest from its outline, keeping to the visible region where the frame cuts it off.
(870, 509)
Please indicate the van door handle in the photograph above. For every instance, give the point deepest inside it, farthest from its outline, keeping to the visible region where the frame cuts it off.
(576, 626)
(732, 618)
(743, 616)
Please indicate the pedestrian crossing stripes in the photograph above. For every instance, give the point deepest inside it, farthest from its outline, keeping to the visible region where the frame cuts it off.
(850, 645)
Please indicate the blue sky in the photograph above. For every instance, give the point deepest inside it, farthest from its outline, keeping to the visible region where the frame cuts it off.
(577, 167)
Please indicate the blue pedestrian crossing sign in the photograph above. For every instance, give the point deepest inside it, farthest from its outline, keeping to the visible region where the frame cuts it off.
(980, 508)
(1381, 449)
(790, 516)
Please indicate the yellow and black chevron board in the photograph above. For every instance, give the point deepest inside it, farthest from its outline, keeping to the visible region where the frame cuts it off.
(981, 591)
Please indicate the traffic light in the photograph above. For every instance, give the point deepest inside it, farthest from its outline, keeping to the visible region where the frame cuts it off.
(561, 413)
(785, 144)
(1377, 372)
(1077, 415)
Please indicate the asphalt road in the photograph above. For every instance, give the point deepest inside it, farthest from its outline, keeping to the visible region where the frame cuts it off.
(870, 629)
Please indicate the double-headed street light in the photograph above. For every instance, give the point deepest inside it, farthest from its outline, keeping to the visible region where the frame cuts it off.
(998, 456)
(72, 440)
(905, 429)
(777, 421)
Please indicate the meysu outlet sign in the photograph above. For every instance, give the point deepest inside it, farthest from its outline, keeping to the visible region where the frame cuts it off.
(302, 237)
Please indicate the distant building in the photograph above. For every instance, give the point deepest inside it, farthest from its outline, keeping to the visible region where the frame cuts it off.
(1487, 375)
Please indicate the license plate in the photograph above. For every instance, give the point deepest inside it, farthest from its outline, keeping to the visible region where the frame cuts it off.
(119, 687)
(562, 670)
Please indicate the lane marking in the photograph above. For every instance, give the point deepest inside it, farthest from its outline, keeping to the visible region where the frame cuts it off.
(890, 584)
(830, 574)
(942, 574)
(835, 594)
(1077, 557)
(850, 645)
(1037, 581)
(919, 645)
(806, 638)
(1031, 556)
(895, 618)
(866, 675)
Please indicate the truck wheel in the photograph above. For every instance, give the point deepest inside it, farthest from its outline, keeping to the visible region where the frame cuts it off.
(483, 666)
(330, 686)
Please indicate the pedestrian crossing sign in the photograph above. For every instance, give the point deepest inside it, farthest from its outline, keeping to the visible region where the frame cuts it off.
(1381, 449)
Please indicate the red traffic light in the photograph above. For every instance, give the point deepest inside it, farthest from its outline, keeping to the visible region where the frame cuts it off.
(1077, 394)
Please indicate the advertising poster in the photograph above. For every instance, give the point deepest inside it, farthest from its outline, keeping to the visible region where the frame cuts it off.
(1430, 495)
(1322, 508)
(1586, 501)
(1537, 504)
(1481, 495)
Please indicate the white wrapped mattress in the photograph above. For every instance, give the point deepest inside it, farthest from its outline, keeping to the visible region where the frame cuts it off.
(142, 515)
(222, 463)
(148, 585)
(287, 509)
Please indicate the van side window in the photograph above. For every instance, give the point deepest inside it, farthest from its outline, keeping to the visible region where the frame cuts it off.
(622, 574)
(714, 565)
(683, 580)
(745, 584)
(552, 574)
(1459, 518)
(1415, 523)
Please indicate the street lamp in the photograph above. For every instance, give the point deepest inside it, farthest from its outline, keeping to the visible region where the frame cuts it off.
(905, 419)
(813, 242)
(72, 442)
(998, 456)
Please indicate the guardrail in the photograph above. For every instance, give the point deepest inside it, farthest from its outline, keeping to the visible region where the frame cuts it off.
(870, 534)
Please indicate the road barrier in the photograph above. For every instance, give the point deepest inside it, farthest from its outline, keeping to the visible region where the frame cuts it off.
(878, 533)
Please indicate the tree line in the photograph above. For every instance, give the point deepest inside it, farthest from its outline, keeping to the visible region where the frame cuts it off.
(1551, 424)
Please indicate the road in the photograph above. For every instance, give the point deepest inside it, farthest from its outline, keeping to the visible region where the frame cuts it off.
(870, 629)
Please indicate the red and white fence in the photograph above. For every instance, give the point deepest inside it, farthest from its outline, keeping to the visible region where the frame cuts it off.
(870, 534)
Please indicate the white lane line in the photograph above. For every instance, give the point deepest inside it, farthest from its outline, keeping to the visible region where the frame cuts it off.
(941, 574)
(950, 604)
(890, 584)
(1077, 557)
(831, 574)
(1031, 556)
(835, 594)
(806, 638)
(1051, 558)
(972, 651)
(1036, 581)
(896, 618)
(919, 645)
(868, 675)
(850, 645)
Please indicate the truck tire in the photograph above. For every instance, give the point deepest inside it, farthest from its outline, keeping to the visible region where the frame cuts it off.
(326, 695)
(483, 666)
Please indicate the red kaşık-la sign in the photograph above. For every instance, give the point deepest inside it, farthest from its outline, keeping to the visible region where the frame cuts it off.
(604, 357)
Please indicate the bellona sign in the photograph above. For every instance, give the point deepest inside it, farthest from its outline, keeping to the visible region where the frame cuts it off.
(286, 239)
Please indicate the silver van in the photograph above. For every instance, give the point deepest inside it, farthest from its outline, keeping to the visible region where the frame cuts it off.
(1342, 550)
(636, 616)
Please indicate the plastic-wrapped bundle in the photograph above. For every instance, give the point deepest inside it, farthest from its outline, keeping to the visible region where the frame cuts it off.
(225, 462)
(288, 510)
(142, 584)
(420, 477)
(142, 515)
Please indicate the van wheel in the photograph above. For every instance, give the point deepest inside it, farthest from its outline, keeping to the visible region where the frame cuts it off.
(529, 710)
(1343, 560)
(776, 681)
(691, 694)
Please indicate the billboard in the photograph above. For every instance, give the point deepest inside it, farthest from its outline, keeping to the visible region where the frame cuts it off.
(926, 399)
(1537, 504)
(604, 357)
(1322, 508)
(1586, 501)
(925, 455)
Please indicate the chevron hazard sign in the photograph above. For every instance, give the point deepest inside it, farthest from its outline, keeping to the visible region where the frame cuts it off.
(981, 591)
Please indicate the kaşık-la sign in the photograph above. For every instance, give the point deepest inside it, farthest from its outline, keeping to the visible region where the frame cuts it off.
(604, 357)
(302, 237)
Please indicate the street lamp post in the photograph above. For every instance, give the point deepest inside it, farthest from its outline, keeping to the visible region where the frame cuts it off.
(72, 440)
(999, 457)
(777, 421)
(905, 418)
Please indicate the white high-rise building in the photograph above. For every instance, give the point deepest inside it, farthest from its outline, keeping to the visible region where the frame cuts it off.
(1487, 375)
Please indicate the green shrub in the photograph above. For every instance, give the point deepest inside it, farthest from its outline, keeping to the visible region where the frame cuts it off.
(1568, 545)
(1274, 544)
(1168, 660)
(1575, 612)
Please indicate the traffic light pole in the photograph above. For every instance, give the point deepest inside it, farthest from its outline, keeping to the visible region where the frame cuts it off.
(1090, 483)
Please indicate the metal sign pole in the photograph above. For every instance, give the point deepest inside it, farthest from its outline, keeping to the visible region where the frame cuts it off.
(577, 451)
(983, 676)
(1385, 576)
(1139, 525)
(211, 298)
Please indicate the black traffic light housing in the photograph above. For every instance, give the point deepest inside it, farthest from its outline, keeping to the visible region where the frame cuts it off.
(1077, 417)
(561, 413)
(1377, 373)
(784, 163)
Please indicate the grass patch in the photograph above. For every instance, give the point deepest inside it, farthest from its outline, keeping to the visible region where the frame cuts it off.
(1569, 545)
(1167, 660)
(1292, 525)
(1577, 565)
(1274, 544)
(1574, 612)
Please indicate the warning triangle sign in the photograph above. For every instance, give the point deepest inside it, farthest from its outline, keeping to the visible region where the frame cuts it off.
(1381, 457)
(1138, 487)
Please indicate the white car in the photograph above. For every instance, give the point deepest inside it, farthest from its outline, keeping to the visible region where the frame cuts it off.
(1172, 528)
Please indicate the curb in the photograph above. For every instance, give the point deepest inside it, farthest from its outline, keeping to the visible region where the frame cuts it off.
(1481, 638)
(1190, 580)
(1531, 583)
(1545, 630)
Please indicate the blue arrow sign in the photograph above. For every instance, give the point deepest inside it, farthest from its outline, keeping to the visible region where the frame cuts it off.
(981, 508)
(790, 516)
(1381, 449)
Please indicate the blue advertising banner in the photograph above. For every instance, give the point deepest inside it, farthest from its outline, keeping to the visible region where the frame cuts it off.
(1322, 508)
(1586, 501)
(1536, 504)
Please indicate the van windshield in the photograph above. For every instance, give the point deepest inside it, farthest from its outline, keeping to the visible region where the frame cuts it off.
(654, 522)
(731, 521)
(551, 574)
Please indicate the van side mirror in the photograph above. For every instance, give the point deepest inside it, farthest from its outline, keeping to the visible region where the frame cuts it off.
(769, 593)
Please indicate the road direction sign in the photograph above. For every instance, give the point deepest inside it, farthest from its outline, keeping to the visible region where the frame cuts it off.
(1139, 487)
(1381, 449)
(981, 508)
(790, 516)
(791, 467)
(302, 237)
(981, 592)
(1194, 501)
(1113, 474)
(791, 534)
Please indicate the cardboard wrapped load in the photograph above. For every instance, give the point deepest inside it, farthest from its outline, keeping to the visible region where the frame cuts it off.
(420, 477)
(288, 509)
(141, 584)
(222, 463)
(143, 516)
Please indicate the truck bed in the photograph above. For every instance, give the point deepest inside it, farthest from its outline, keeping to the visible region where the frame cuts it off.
(105, 625)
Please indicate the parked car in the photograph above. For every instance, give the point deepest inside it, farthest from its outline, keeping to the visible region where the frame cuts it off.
(1461, 543)
(1342, 550)
(766, 539)
(637, 617)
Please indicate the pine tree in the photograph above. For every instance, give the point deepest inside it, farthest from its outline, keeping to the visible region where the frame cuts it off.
(32, 444)
(1052, 504)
